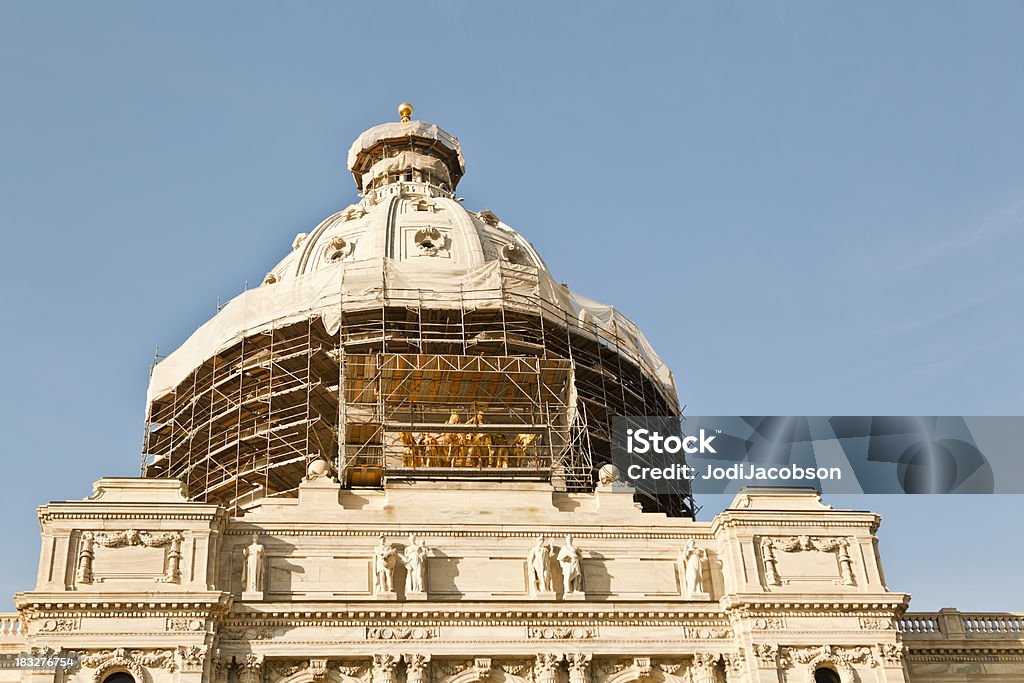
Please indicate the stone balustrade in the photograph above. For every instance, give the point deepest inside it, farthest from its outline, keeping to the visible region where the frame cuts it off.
(953, 624)
(13, 633)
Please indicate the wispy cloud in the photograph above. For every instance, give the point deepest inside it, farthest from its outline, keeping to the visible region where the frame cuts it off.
(1001, 222)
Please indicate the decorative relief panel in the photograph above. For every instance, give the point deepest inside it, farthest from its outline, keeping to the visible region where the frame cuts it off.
(561, 632)
(809, 568)
(184, 624)
(59, 625)
(705, 632)
(151, 555)
(396, 633)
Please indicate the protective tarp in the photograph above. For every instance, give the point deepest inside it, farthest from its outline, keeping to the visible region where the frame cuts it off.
(427, 283)
(396, 131)
(403, 162)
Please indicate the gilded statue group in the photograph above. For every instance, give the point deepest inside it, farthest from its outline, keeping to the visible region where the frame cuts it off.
(468, 449)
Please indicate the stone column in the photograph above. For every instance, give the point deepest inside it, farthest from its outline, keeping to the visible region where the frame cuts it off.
(704, 669)
(417, 668)
(250, 669)
(545, 670)
(735, 666)
(191, 660)
(579, 667)
(218, 667)
(384, 669)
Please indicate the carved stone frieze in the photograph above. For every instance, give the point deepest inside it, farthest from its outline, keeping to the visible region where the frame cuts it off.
(875, 623)
(561, 632)
(247, 632)
(59, 625)
(397, 633)
(184, 624)
(769, 624)
(699, 632)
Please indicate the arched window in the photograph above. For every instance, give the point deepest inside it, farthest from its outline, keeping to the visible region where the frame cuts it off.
(824, 675)
(119, 677)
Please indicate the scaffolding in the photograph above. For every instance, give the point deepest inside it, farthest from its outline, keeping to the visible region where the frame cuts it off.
(404, 389)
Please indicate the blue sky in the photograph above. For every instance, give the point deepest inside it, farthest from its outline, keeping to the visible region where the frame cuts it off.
(811, 208)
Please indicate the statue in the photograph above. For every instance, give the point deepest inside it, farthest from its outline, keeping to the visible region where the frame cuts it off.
(539, 561)
(252, 569)
(415, 560)
(521, 446)
(452, 442)
(693, 568)
(85, 558)
(411, 450)
(572, 573)
(385, 557)
(430, 449)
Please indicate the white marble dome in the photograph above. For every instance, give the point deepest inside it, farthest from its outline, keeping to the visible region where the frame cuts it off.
(408, 211)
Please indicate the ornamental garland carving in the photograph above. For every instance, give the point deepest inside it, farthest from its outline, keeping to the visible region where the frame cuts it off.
(134, 661)
(707, 632)
(792, 544)
(560, 632)
(247, 633)
(840, 658)
(389, 633)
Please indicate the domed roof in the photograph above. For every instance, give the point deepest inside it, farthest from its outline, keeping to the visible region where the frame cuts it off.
(407, 238)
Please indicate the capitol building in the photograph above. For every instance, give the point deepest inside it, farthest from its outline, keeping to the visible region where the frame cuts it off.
(391, 463)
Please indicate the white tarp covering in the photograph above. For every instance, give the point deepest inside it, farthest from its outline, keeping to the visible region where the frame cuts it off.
(430, 283)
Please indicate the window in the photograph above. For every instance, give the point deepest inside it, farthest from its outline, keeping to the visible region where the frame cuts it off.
(119, 677)
(824, 675)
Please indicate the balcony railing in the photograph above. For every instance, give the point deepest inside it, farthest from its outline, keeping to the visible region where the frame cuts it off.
(13, 632)
(952, 624)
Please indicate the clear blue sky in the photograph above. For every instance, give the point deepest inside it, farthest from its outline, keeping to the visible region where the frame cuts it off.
(811, 208)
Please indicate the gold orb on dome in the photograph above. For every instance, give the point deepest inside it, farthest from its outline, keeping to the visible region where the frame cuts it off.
(405, 111)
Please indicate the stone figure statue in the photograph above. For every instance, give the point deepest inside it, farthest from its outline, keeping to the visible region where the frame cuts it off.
(539, 561)
(415, 561)
(693, 567)
(572, 573)
(385, 557)
(252, 569)
(85, 558)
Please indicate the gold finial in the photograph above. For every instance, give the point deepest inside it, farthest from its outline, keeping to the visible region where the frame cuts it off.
(405, 111)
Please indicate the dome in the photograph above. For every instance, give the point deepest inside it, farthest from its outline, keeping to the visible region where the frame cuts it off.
(404, 335)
